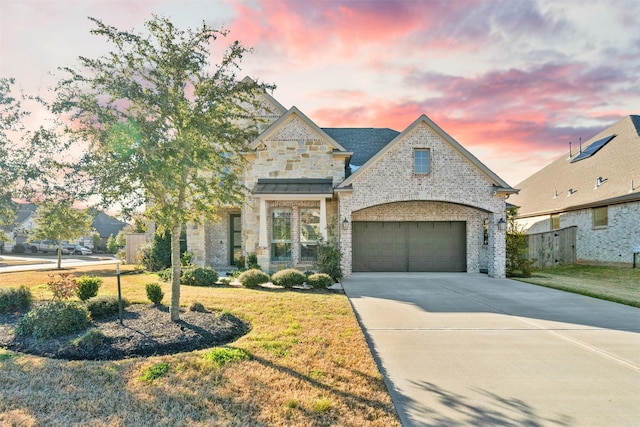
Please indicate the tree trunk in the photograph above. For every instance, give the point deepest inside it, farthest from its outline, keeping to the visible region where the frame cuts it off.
(174, 308)
(59, 254)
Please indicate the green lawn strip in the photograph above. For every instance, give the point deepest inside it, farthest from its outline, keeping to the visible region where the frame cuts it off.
(621, 285)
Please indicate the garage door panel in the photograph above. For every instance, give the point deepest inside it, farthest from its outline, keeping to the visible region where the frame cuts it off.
(409, 246)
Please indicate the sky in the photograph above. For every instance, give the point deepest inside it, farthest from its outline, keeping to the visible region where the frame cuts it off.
(513, 81)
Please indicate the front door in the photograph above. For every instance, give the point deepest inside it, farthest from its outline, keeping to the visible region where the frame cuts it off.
(235, 239)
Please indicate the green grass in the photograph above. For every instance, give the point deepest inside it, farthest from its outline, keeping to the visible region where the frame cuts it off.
(617, 284)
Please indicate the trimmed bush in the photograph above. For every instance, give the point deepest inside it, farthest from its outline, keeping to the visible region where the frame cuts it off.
(252, 278)
(90, 340)
(198, 307)
(199, 276)
(105, 305)
(88, 287)
(154, 293)
(54, 319)
(12, 299)
(320, 280)
(288, 278)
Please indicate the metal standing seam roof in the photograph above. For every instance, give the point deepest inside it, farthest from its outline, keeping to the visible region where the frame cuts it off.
(294, 186)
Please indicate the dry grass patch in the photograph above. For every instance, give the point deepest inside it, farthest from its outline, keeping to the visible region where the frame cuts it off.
(305, 362)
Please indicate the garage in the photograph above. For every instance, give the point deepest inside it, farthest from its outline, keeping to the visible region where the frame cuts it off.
(410, 246)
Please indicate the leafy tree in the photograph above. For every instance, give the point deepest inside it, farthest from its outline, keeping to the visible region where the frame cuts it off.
(165, 128)
(112, 245)
(517, 260)
(59, 221)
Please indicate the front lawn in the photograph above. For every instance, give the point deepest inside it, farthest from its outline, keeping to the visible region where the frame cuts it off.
(615, 284)
(304, 362)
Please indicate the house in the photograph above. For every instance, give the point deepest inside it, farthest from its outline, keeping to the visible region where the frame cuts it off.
(19, 231)
(414, 200)
(593, 189)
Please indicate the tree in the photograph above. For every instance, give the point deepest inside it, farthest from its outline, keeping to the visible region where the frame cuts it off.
(517, 260)
(60, 221)
(165, 128)
(11, 115)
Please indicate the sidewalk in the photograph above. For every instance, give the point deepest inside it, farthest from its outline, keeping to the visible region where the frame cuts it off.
(49, 263)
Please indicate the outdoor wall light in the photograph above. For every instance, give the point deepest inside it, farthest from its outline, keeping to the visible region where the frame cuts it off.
(502, 225)
(345, 224)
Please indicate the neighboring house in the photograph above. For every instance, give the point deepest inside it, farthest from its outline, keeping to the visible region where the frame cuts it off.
(103, 224)
(392, 201)
(594, 188)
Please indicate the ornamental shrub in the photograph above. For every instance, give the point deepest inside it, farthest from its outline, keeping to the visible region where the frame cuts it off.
(166, 274)
(54, 319)
(288, 278)
(252, 278)
(12, 299)
(156, 256)
(320, 280)
(199, 276)
(90, 340)
(88, 287)
(329, 257)
(198, 307)
(105, 305)
(154, 293)
(62, 286)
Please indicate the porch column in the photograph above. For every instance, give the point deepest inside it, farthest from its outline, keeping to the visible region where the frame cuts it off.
(323, 219)
(262, 233)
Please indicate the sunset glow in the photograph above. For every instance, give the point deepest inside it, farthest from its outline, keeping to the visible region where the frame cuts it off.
(512, 81)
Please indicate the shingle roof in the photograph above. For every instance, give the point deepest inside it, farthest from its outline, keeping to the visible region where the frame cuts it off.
(363, 142)
(617, 163)
(107, 225)
(294, 186)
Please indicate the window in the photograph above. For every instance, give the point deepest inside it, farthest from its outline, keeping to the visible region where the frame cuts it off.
(485, 232)
(281, 234)
(421, 161)
(309, 233)
(555, 221)
(600, 216)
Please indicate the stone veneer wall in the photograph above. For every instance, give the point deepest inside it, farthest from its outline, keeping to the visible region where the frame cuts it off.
(452, 178)
(613, 244)
(294, 150)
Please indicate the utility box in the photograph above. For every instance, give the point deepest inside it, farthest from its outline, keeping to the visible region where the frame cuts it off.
(636, 257)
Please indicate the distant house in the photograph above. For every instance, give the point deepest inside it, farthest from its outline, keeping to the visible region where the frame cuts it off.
(414, 200)
(595, 188)
(19, 232)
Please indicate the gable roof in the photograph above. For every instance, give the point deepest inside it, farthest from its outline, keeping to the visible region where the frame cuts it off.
(616, 162)
(106, 225)
(293, 111)
(363, 142)
(500, 185)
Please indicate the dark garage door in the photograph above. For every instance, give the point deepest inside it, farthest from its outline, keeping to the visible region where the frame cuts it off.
(409, 246)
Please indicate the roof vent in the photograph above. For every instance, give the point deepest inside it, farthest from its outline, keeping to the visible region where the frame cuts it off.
(570, 192)
(599, 181)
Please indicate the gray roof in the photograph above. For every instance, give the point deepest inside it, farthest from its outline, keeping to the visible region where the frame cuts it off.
(294, 186)
(363, 142)
(617, 164)
(107, 225)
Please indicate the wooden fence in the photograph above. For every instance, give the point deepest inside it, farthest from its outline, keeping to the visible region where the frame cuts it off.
(134, 242)
(552, 248)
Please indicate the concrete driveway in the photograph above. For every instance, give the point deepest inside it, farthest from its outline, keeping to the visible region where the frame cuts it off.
(464, 349)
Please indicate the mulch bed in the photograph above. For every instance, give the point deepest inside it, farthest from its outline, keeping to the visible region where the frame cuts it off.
(147, 330)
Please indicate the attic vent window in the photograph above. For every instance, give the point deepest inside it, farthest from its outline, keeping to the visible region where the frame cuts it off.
(592, 149)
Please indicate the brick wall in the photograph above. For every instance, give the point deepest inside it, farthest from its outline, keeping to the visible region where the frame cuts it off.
(613, 244)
